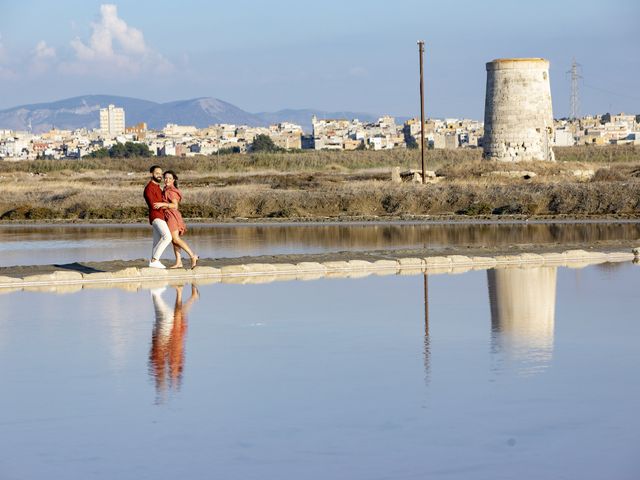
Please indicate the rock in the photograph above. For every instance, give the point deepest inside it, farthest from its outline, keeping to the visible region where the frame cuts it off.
(583, 174)
(554, 257)
(336, 265)
(9, 280)
(531, 258)
(620, 257)
(289, 268)
(311, 267)
(458, 261)
(148, 272)
(437, 262)
(97, 276)
(386, 264)
(201, 271)
(415, 176)
(395, 175)
(481, 263)
(260, 268)
(130, 272)
(360, 264)
(233, 270)
(411, 263)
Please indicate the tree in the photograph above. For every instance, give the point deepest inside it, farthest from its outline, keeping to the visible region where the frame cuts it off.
(123, 150)
(100, 153)
(263, 143)
(228, 150)
(412, 143)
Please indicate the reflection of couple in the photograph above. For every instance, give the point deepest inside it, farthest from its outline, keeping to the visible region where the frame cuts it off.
(166, 359)
(165, 218)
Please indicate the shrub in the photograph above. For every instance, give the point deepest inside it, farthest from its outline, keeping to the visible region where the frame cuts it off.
(607, 175)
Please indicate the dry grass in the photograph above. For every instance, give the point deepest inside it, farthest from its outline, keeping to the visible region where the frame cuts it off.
(304, 160)
(311, 160)
(323, 184)
(598, 154)
(362, 198)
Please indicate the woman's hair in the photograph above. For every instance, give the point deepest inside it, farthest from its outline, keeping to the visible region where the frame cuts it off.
(175, 177)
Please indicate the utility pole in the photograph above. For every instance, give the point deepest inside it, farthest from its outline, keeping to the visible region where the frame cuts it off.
(421, 52)
(575, 99)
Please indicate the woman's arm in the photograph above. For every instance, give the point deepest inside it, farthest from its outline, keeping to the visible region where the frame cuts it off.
(172, 206)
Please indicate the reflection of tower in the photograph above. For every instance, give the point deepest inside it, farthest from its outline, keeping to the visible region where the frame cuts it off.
(523, 313)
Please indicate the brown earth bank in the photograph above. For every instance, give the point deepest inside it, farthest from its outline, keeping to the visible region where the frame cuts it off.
(585, 182)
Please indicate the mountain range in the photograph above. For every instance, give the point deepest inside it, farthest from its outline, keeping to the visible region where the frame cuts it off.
(84, 112)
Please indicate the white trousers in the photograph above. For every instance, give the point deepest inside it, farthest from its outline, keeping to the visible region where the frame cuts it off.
(164, 318)
(161, 238)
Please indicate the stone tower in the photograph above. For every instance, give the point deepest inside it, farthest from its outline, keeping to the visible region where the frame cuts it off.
(518, 119)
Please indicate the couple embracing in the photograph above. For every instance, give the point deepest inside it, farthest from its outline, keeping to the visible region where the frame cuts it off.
(165, 218)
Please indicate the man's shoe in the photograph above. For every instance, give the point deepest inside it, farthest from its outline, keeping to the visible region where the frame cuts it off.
(156, 264)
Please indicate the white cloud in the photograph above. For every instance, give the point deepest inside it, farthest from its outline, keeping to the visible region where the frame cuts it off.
(114, 44)
(43, 57)
(44, 51)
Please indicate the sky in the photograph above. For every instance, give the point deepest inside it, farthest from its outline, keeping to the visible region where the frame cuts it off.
(333, 55)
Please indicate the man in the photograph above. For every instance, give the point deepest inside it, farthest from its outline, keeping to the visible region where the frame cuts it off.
(161, 233)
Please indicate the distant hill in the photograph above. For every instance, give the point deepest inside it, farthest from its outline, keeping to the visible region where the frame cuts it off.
(79, 112)
(84, 111)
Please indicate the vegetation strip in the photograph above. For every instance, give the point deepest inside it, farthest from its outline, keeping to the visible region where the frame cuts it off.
(583, 183)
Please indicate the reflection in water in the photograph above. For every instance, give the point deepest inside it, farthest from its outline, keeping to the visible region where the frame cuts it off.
(333, 384)
(28, 245)
(166, 360)
(427, 341)
(523, 314)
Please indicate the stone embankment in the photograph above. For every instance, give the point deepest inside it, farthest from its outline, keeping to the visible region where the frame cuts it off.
(133, 278)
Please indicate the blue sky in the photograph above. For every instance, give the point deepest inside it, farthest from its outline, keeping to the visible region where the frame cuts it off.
(330, 55)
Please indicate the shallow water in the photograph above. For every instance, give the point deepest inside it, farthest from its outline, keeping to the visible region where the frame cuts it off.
(50, 244)
(513, 373)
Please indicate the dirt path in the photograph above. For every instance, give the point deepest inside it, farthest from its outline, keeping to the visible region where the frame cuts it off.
(372, 255)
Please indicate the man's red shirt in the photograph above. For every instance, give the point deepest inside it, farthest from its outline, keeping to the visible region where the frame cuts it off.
(153, 194)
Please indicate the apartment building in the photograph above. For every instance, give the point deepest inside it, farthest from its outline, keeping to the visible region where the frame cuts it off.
(112, 121)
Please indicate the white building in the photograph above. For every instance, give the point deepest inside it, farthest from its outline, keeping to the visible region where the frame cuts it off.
(175, 130)
(111, 121)
(563, 138)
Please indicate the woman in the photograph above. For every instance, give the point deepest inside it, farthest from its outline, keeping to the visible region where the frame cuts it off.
(172, 197)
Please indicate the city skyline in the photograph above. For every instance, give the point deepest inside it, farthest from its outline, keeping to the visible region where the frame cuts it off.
(358, 56)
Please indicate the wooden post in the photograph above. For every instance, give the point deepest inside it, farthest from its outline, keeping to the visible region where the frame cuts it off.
(422, 146)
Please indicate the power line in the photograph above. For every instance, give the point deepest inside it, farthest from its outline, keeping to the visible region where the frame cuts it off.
(610, 92)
